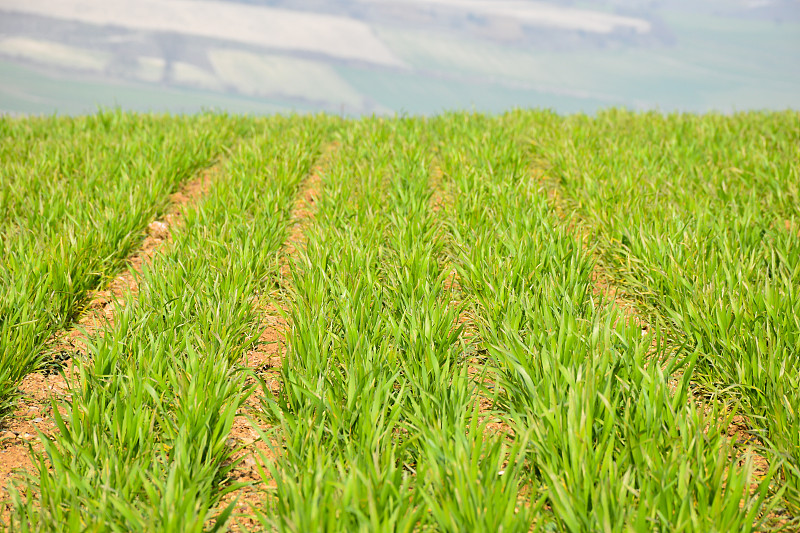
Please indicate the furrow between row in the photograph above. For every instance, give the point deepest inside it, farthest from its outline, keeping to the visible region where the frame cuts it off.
(600, 432)
(143, 442)
(266, 358)
(32, 418)
(687, 216)
(75, 210)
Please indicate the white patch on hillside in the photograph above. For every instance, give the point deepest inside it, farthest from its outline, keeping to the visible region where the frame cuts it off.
(53, 54)
(333, 36)
(149, 69)
(194, 76)
(268, 75)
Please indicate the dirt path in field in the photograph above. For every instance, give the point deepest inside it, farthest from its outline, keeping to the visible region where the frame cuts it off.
(441, 203)
(265, 362)
(19, 432)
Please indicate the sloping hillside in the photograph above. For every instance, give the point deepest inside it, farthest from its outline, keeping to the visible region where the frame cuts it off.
(384, 56)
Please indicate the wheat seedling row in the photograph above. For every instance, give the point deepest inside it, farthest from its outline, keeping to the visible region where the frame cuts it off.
(463, 323)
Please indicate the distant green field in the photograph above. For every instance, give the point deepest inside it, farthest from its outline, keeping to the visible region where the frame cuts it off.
(523, 322)
(29, 90)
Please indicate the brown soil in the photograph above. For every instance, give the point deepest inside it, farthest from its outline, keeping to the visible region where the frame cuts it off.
(740, 434)
(265, 360)
(439, 199)
(795, 229)
(304, 210)
(32, 418)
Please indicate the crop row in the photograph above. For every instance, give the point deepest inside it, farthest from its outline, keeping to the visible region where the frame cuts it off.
(142, 442)
(611, 442)
(370, 376)
(698, 219)
(451, 363)
(76, 195)
(381, 417)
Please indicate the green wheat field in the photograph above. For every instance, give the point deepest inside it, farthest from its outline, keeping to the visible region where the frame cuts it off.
(522, 322)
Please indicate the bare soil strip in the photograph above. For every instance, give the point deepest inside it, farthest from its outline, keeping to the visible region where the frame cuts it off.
(440, 203)
(19, 433)
(265, 360)
(305, 208)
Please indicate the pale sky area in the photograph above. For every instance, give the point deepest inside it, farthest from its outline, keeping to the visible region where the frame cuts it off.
(358, 57)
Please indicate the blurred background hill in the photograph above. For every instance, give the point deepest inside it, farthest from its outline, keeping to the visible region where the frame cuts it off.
(407, 56)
